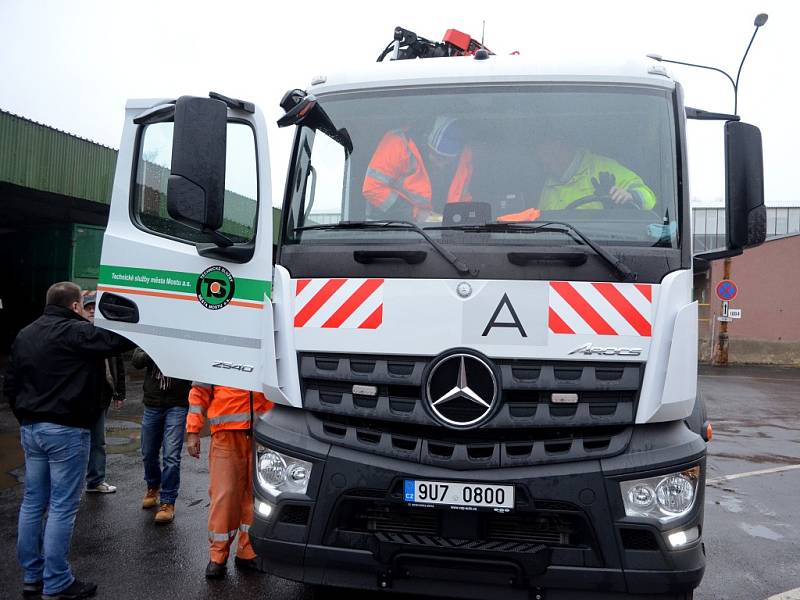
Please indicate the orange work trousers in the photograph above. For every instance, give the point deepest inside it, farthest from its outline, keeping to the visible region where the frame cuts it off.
(231, 490)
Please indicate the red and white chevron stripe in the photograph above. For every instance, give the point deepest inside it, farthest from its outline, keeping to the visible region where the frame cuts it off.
(578, 307)
(339, 303)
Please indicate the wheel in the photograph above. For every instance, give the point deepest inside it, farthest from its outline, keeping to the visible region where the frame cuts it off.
(606, 202)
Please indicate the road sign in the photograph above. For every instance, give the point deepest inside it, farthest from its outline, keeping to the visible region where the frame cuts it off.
(727, 290)
(724, 308)
(724, 319)
(735, 313)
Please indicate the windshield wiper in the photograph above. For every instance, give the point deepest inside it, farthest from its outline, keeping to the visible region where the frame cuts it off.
(459, 264)
(622, 270)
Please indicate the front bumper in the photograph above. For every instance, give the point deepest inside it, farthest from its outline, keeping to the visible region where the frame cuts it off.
(567, 535)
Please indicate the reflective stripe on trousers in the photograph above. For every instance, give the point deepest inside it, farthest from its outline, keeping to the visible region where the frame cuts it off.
(221, 537)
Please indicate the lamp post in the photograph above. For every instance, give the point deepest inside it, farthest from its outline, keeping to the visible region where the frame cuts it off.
(759, 21)
(761, 18)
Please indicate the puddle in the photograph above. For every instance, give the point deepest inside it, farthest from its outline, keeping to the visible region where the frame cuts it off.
(122, 424)
(761, 532)
(731, 504)
(121, 436)
(764, 510)
(112, 440)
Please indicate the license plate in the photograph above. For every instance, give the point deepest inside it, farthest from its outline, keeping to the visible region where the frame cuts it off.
(465, 496)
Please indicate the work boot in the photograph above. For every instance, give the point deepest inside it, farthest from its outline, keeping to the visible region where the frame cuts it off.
(77, 589)
(31, 589)
(215, 570)
(165, 514)
(248, 564)
(150, 498)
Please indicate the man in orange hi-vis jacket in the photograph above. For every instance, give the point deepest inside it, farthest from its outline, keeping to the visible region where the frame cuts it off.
(230, 413)
(405, 181)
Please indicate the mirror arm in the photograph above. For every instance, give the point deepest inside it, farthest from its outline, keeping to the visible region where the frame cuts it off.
(218, 239)
(717, 254)
(163, 113)
(234, 103)
(239, 253)
(704, 115)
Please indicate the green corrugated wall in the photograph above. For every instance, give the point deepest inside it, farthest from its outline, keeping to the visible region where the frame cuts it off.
(39, 157)
(36, 156)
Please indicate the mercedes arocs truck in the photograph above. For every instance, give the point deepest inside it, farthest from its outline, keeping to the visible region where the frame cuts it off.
(476, 400)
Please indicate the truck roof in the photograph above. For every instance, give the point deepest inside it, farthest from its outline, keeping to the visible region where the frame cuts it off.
(495, 69)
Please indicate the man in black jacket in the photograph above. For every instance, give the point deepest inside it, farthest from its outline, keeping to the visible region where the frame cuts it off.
(54, 385)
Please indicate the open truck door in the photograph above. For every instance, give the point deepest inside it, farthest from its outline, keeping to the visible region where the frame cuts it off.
(186, 270)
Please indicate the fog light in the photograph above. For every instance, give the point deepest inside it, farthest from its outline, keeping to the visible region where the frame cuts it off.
(678, 539)
(264, 508)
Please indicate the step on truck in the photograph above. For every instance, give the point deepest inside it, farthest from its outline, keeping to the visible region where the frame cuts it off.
(483, 393)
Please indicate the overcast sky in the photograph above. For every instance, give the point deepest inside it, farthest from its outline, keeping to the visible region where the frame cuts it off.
(72, 64)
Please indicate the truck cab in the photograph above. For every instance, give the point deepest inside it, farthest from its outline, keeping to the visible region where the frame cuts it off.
(480, 391)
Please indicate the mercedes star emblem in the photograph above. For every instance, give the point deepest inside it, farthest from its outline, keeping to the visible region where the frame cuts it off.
(462, 390)
(464, 290)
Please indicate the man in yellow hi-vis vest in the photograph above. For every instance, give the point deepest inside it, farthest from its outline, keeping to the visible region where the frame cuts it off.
(576, 173)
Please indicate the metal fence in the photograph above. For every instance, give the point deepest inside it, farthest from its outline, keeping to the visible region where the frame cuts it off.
(708, 225)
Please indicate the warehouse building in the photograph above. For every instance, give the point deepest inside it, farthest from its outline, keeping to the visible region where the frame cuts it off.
(55, 190)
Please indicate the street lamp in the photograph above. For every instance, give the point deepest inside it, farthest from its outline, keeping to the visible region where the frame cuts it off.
(761, 18)
(759, 21)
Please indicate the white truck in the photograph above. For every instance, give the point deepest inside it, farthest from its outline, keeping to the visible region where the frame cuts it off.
(465, 407)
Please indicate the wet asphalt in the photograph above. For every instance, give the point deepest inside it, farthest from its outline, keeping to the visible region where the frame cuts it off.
(752, 523)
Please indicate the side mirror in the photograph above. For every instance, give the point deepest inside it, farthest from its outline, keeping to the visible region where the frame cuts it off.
(302, 108)
(196, 187)
(744, 186)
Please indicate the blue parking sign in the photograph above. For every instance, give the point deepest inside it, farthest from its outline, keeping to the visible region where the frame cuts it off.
(727, 290)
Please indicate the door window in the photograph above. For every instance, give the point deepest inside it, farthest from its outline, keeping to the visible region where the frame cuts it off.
(241, 185)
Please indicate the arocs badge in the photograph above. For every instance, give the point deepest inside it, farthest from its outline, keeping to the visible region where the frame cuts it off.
(215, 287)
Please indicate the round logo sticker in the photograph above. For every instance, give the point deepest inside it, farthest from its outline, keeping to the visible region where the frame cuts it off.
(215, 287)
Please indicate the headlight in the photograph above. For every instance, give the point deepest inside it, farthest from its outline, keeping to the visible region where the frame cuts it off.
(665, 498)
(278, 473)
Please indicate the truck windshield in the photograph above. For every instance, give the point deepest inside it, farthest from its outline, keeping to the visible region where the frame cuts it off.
(600, 158)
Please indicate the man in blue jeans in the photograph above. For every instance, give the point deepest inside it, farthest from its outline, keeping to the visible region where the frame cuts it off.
(54, 386)
(166, 402)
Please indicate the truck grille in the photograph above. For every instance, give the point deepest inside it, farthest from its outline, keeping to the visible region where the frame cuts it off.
(465, 450)
(605, 393)
(375, 404)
